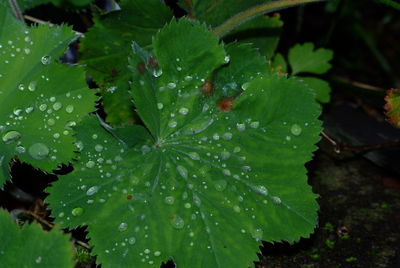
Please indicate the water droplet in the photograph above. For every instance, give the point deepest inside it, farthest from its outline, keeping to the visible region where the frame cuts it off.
(188, 78)
(194, 156)
(98, 147)
(18, 111)
(227, 136)
(160, 106)
(39, 151)
(70, 124)
(220, 185)
(184, 110)
(20, 149)
(92, 190)
(182, 171)
(32, 86)
(90, 164)
(246, 168)
(157, 72)
(45, 60)
(77, 211)
(38, 259)
(123, 227)
(157, 253)
(261, 189)
(216, 136)
(255, 124)
(171, 85)
(276, 200)
(51, 122)
(227, 59)
(245, 85)
(146, 251)
(172, 124)
(225, 155)
(21, 87)
(169, 200)
(257, 234)
(241, 126)
(236, 209)
(43, 107)
(69, 109)
(29, 110)
(296, 129)
(57, 106)
(27, 51)
(132, 240)
(177, 222)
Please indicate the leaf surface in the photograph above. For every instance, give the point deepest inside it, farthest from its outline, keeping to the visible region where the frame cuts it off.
(209, 185)
(304, 59)
(40, 99)
(30, 246)
(392, 106)
(107, 44)
(320, 87)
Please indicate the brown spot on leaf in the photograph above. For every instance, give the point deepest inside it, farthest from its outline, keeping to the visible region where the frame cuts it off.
(152, 63)
(207, 88)
(141, 68)
(225, 104)
(129, 197)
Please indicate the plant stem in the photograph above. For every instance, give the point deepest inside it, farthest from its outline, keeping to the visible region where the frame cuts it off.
(391, 3)
(253, 12)
(16, 10)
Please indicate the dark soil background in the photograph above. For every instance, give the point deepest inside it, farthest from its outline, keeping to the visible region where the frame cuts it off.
(359, 188)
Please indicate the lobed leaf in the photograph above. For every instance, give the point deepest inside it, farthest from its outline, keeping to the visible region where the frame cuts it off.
(304, 59)
(30, 246)
(40, 99)
(320, 87)
(106, 45)
(208, 185)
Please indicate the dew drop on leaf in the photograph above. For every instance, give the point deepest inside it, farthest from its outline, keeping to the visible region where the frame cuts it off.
(18, 111)
(184, 111)
(227, 136)
(45, 60)
(123, 227)
(57, 106)
(132, 240)
(220, 185)
(295, 129)
(20, 149)
(39, 151)
(90, 164)
(32, 86)
(241, 126)
(160, 106)
(98, 147)
(261, 189)
(182, 171)
(157, 253)
(77, 211)
(177, 222)
(92, 190)
(257, 234)
(276, 200)
(43, 107)
(255, 124)
(171, 85)
(169, 200)
(21, 87)
(172, 124)
(29, 110)
(69, 109)
(245, 85)
(11, 136)
(194, 156)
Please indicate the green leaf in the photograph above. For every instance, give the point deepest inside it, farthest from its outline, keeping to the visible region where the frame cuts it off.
(392, 106)
(279, 63)
(40, 99)
(106, 45)
(304, 59)
(320, 87)
(263, 32)
(208, 185)
(30, 246)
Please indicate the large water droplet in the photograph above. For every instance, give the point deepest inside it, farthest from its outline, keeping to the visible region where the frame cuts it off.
(261, 189)
(57, 106)
(157, 72)
(90, 164)
(220, 185)
(45, 60)
(245, 85)
(177, 222)
(296, 129)
(276, 200)
(77, 211)
(29, 110)
(92, 190)
(241, 126)
(172, 124)
(69, 109)
(21, 87)
(184, 110)
(123, 227)
(39, 151)
(182, 171)
(132, 240)
(32, 86)
(18, 111)
(43, 107)
(98, 147)
(255, 124)
(171, 85)
(160, 106)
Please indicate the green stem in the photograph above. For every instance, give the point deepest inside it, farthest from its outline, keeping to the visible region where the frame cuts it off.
(253, 12)
(391, 3)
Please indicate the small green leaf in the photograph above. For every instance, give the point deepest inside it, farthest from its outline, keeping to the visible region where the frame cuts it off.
(38, 107)
(392, 106)
(208, 186)
(106, 45)
(279, 63)
(304, 59)
(320, 87)
(30, 246)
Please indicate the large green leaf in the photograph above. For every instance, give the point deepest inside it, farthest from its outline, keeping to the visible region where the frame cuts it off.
(106, 45)
(209, 184)
(30, 246)
(40, 99)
